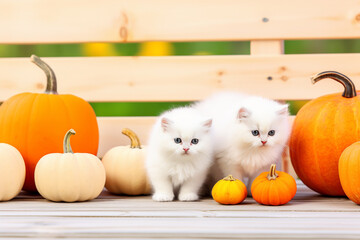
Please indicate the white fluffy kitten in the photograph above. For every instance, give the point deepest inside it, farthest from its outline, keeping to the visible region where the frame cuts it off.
(179, 154)
(250, 133)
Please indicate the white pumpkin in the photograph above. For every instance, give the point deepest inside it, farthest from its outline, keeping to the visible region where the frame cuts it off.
(12, 172)
(68, 176)
(125, 168)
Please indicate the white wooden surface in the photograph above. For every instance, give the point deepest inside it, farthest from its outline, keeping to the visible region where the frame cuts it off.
(35, 21)
(180, 78)
(308, 215)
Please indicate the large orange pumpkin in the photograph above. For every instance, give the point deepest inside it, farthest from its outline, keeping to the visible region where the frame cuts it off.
(34, 123)
(322, 129)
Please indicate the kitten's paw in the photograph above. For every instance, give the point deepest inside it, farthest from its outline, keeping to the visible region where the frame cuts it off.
(163, 197)
(188, 197)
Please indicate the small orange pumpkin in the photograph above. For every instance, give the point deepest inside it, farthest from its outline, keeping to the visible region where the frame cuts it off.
(24, 117)
(322, 129)
(273, 187)
(349, 172)
(229, 191)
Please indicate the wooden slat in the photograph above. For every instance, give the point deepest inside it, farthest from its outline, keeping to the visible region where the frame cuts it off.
(308, 215)
(35, 21)
(266, 47)
(265, 227)
(180, 78)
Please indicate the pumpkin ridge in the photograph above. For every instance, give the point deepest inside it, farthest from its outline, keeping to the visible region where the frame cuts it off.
(344, 165)
(315, 143)
(132, 167)
(240, 189)
(257, 187)
(335, 134)
(85, 175)
(299, 133)
(274, 198)
(287, 186)
(76, 161)
(31, 98)
(285, 192)
(7, 131)
(263, 189)
(29, 148)
(63, 173)
(225, 192)
(56, 175)
(232, 197)
(355, 114)
(352, 185)
(302, 124)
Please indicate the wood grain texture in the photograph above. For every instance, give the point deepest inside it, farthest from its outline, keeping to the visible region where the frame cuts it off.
(34, 21)
(180, 78)
(308, 215)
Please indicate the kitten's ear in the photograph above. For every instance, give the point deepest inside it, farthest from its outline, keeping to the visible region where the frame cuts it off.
(165, 123)
(207, 123)
(284, 110)
(243, 113)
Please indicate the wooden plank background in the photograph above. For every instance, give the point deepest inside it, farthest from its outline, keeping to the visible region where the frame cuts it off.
(35, 21)
(180, 78)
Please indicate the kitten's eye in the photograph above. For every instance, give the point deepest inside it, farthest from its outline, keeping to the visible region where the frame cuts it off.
(177, 140)
(194, 141)
(255, 132)
(271, 132)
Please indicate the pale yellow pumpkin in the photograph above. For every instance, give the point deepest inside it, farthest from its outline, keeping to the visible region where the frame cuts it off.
(68, 176)
(12, 172)
(125, 168)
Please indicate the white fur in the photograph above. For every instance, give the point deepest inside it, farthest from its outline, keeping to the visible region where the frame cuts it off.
(168, 166)
(237, 150)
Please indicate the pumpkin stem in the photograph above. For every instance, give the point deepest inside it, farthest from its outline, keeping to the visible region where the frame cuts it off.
(135, 142)
(272, 173)
(349, 86)
(229, 178)
(66, 143)
(51, 86)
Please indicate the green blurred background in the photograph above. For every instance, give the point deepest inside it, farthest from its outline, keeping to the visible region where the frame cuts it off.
(164, 49)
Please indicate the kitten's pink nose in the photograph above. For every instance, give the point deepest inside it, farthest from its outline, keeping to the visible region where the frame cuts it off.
(186, 150)
(263, 142)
